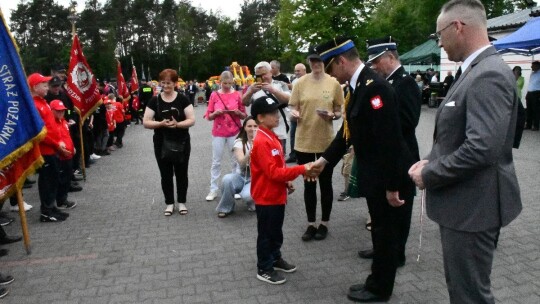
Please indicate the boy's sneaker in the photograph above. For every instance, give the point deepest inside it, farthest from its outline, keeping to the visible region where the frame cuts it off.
(3, 292)
(271, 276)
(50, 218)
(66, 205)
(343, 197)
(282, 265)
(6, 279)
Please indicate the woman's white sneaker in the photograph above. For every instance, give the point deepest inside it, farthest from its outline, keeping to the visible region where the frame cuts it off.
(27, 207)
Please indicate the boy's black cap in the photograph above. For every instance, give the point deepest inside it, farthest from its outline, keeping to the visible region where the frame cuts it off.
(263, 105)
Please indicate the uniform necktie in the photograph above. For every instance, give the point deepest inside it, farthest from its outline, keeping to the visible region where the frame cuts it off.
(346, 131)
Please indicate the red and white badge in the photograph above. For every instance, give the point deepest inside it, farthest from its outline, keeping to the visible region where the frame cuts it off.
(376, 102)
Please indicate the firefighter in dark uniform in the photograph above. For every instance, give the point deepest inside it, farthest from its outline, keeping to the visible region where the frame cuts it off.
(384, 59)
(373, 127)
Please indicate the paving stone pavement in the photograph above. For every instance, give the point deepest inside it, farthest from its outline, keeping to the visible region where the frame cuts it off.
(117, 247)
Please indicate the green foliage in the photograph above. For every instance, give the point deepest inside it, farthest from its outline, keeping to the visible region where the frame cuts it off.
(200, 43)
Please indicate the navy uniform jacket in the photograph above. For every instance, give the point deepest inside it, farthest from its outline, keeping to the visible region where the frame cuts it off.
(373, 118)
(409, 100)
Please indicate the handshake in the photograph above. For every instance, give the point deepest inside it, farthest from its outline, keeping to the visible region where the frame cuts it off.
(314, 169)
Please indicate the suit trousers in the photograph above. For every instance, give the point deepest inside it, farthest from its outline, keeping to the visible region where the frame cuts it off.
(385, 234)
(532, 100)
(468, 259)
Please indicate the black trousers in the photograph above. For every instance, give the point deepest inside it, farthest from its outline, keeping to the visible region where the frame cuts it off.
(310, 189)
(64, 179)
(270, 235)
(48, 181)
(533, 109)
(167, 170)
(387, 243)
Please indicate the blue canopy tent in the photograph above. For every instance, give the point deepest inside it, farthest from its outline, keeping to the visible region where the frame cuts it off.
(525, 41)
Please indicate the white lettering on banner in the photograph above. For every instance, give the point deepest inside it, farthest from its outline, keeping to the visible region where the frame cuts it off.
(12, 117)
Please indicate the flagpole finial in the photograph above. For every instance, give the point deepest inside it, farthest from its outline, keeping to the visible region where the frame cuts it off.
(73, 17)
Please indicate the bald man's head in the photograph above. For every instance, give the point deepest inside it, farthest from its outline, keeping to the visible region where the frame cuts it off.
(299, 70)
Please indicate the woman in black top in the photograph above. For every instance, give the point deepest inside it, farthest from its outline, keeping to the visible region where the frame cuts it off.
(171, 114)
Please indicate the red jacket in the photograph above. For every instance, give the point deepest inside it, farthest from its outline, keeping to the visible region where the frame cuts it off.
(65, 137)
(110, 119)
(269, 175)
(119, 112)
(51, 143)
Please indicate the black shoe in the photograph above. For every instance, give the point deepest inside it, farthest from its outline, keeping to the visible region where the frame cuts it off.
(4, 280)
(343, 197)
(364, 295)
(366, 254)
(77, 178)
(3, 252)
(291, 160)
(66, 205)
(46, 218)
(27, 186)
(272, 277)
(29, 181)
(59, 213)
(105, 153)
(282, 265)
(357, 287)
(9, 239)
(3, 292)
(75, 188)
(322, 231)
(309, 234)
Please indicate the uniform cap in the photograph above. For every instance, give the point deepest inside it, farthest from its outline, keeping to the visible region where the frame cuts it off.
(377, 47)
(335, 47)
(57, 105)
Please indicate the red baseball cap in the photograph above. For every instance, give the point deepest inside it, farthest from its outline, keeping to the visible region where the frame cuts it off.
(57, 105)
(37, 78)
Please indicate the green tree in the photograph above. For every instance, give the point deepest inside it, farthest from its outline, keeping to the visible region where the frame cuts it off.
(307, 22)
(43, 33)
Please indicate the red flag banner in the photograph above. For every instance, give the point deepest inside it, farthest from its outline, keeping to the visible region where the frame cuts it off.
(82, 85)
(134, 80)
(121, 82)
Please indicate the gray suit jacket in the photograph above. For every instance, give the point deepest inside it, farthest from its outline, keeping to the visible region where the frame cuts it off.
(470, 180)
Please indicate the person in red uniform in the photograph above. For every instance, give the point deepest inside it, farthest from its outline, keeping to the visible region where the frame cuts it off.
(270, 180)
(120, 118)
(111, 123)
(51, 148)
(66, 161)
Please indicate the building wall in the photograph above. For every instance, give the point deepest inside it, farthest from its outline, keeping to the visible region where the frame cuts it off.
(510, 58)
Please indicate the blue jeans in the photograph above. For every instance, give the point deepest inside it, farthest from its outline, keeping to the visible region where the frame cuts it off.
(234, 183)
(270, 235)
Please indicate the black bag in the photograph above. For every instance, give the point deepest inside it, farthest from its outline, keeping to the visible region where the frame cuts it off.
(173, 151)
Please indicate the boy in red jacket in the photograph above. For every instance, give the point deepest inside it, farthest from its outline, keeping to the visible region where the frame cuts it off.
(51, 148)
(66, 161)
(270, 180)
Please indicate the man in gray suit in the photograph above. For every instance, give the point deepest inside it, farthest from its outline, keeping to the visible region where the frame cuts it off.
(469, 177)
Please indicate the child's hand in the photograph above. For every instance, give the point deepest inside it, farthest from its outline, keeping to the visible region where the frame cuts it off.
(290, 187)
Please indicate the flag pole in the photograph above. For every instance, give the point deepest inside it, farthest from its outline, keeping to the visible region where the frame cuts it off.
(24, 225)
(83, 162)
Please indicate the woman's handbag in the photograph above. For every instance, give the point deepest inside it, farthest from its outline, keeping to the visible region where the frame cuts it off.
(172, 150)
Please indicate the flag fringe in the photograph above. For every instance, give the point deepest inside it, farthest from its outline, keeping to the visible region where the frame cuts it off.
(13, 156)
